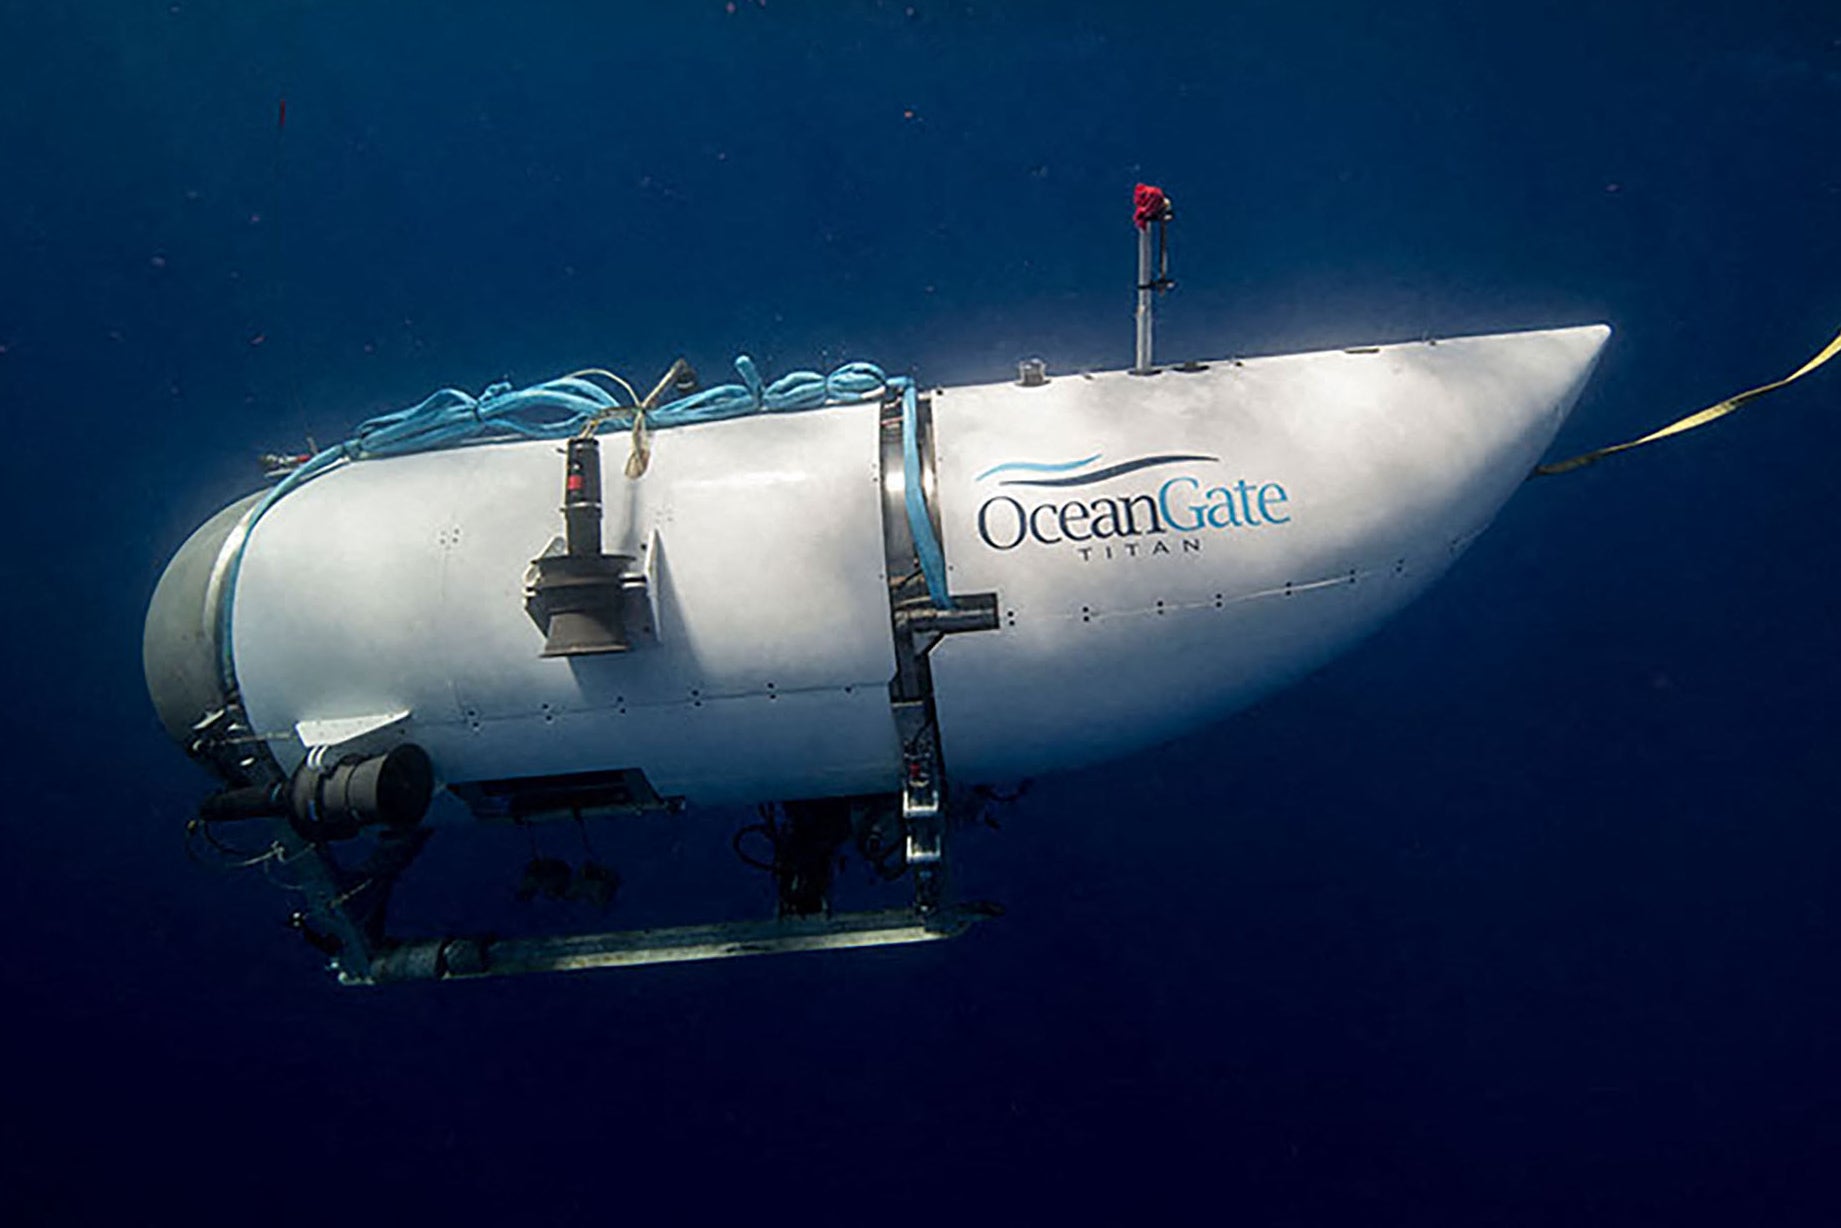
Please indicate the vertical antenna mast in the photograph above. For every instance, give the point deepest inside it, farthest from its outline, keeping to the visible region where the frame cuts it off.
(1150, 206)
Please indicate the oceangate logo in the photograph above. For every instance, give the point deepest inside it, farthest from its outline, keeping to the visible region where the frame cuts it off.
(1185, 504)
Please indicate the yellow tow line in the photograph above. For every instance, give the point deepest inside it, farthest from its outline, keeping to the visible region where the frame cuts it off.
(1709, 414)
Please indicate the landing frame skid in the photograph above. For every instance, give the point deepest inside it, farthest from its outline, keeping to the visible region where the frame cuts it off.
(348, 926)
(468, 958)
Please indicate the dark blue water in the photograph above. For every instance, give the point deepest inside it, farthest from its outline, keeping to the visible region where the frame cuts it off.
(1524, 912)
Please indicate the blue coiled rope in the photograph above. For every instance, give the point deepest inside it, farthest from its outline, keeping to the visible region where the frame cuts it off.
(563, 407)
(560, 408)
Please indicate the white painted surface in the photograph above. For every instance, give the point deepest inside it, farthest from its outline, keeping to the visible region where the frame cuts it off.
(397, 584)
(1390, 462)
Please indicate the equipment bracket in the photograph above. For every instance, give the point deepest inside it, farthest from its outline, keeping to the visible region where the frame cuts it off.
(350, 734)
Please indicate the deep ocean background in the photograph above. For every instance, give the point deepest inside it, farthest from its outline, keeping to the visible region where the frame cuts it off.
(1523, 912)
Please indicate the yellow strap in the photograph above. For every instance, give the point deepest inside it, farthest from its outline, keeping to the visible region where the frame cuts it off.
(1709, 414)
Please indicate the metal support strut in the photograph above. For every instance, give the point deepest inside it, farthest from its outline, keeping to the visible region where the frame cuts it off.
(919, 624)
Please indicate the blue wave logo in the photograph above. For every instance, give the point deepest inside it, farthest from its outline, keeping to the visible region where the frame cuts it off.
(1068, 475)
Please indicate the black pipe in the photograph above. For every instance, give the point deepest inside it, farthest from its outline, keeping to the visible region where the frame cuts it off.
(582, 498)
(333, 803)
(254, 802)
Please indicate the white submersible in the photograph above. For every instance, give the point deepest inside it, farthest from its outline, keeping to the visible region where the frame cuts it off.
(841, 611)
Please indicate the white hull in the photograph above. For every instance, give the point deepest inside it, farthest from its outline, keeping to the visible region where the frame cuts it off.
(1344, 482)
(1389, 461)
